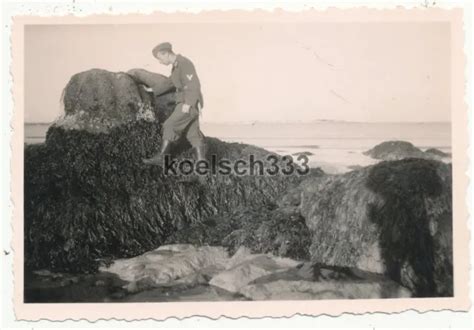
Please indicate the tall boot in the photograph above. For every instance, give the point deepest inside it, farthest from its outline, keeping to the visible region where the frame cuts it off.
(158, 158)
(200, 153)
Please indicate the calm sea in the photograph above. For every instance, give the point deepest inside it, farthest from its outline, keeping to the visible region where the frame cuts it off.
(335, 146)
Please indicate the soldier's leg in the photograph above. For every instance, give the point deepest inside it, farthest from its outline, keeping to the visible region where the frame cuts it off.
(176, 123)
(195, 136)
(173, 127)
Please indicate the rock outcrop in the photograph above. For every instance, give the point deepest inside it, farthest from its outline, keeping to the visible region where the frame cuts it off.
(281, 231)
(169, 265)
(246, 275)
(98, 101)
(244, 268)
(393, 150)
(396, 150)
(393, 218)
(437, 152)
(313, 282)
(89, 197)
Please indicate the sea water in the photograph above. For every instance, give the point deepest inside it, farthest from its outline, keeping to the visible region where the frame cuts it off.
(336, 147)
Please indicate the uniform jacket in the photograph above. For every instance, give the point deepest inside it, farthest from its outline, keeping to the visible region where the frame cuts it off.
(186, 81)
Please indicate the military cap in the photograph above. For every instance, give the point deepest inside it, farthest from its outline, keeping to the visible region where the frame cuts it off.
(164, 46)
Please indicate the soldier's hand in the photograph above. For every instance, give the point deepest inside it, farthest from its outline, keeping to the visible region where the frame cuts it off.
(185, 108)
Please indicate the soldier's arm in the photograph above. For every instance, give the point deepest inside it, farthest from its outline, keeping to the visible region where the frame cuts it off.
(191, 84)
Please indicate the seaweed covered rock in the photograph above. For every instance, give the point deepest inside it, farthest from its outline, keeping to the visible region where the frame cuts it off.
(89, 197)
(280, 231)
(277, 228)
(98, 100)
(437, 152)
(393, 218)
(394, 150)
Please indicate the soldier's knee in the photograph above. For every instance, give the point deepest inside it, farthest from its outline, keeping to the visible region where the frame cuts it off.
(168, 132)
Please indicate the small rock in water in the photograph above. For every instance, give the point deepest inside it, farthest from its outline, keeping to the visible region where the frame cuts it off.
(303, 153)
(394, 150)
(437, 152)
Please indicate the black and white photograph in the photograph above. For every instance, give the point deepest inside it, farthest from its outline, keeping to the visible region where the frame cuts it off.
(238, 161)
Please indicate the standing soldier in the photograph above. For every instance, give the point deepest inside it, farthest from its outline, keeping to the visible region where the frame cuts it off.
(189, 101)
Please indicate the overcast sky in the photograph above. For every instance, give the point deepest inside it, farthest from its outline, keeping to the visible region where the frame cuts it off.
(263, 72)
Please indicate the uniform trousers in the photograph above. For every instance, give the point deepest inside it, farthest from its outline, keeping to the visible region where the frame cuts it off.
(180, 122)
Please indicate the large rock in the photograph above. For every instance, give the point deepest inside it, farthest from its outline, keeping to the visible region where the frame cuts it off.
(393, 218)
(313, 282)
(169, 265)
(307, 290)
(88, 196)
(281, 231)
(277, 228)
(98, 100)
(245, 267)
(267, 277)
